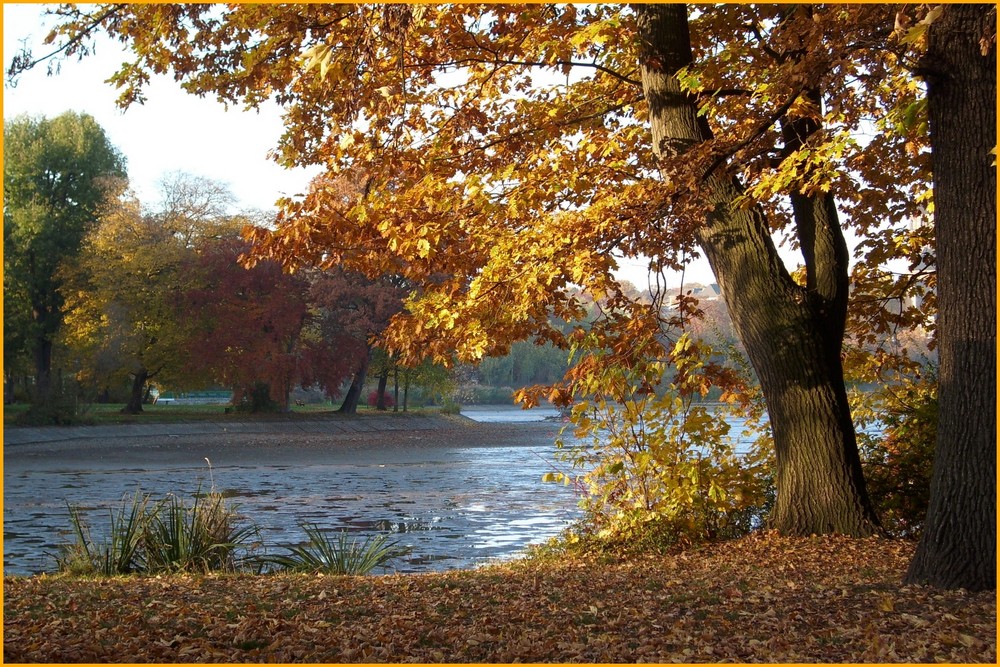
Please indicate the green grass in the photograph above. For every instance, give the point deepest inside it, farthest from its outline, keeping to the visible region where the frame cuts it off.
(110, 413)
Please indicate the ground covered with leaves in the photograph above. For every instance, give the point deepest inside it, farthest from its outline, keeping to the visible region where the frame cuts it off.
(760, 599)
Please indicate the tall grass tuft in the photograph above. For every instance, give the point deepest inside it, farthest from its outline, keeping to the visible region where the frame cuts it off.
(120, 550)
(335, 556)
(205, 537)
(168, 536)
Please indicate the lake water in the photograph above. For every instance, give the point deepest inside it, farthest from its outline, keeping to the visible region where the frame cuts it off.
(452, 506)
(455, 499)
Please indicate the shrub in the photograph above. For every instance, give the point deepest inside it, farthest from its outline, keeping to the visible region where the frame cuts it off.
(659, 468)
(61, 407)
(897, 463)
(373, 399)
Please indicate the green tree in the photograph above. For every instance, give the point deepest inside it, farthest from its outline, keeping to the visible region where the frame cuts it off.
(124, 293)
(57, 173)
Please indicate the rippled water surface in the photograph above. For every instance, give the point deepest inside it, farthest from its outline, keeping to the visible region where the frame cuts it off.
(453, 504)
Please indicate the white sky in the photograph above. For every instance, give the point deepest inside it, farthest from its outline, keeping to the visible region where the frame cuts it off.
(175, 131)
(172, 131)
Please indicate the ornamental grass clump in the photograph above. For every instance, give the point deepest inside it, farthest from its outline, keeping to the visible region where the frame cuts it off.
(167, 536)
(343, 555)
(119, 552)
(205, 537)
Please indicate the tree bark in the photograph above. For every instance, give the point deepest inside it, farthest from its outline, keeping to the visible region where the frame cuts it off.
(43, 369)
(395, 388)
(792, 335)
(958, 545)
(134, 405)
(353, 397)
(383, 380)
(406, 389)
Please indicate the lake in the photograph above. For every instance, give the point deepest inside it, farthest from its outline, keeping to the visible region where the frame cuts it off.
(456, 496)
(455, 499)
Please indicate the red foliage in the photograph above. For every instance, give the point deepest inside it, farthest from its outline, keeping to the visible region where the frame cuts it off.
(373, 399)
(251, 321)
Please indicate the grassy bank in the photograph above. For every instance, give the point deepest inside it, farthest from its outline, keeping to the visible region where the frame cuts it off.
(760, 599)
(110, 413)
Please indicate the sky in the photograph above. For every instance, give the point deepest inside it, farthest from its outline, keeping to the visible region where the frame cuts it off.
(175, 131)
(172, 131)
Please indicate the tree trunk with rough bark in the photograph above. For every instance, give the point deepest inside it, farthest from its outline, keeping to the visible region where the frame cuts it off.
(134, 405)
(958, 545)
(383, 381)
(793, 335)
(43, 369)
(353, 397)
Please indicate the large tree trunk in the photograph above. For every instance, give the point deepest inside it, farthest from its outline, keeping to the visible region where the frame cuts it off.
(353, 397)
(958, 546)
(134, 405)
(792, 334)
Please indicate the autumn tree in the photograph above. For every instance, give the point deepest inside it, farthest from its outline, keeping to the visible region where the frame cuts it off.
(511, 153)
(352, 313)
(119, 301)
(126, 311)
(57, 173)
(958, 545)
(247, 324)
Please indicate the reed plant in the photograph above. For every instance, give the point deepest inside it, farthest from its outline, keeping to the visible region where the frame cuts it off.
(204, 537)
(166, 536)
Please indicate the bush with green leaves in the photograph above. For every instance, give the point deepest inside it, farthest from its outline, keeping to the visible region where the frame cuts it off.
(61, 406)
(897, 459)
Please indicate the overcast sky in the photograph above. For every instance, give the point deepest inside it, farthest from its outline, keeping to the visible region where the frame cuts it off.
(175, 131)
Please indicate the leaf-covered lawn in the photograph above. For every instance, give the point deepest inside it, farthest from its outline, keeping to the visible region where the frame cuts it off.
(761, 599)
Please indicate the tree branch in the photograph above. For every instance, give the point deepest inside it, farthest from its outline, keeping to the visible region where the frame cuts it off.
(22, 62)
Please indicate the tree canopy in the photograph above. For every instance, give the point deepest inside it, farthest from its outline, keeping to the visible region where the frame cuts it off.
(57, 174)
(503, 151)
(501, 159)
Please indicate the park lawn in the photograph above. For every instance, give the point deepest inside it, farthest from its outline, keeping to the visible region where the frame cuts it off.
(110, 413)
(763, 598)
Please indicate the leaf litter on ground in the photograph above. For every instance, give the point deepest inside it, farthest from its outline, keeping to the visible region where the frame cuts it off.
(763, 598)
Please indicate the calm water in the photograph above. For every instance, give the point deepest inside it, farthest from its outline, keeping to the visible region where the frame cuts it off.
(455, 502)
(453, 506)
